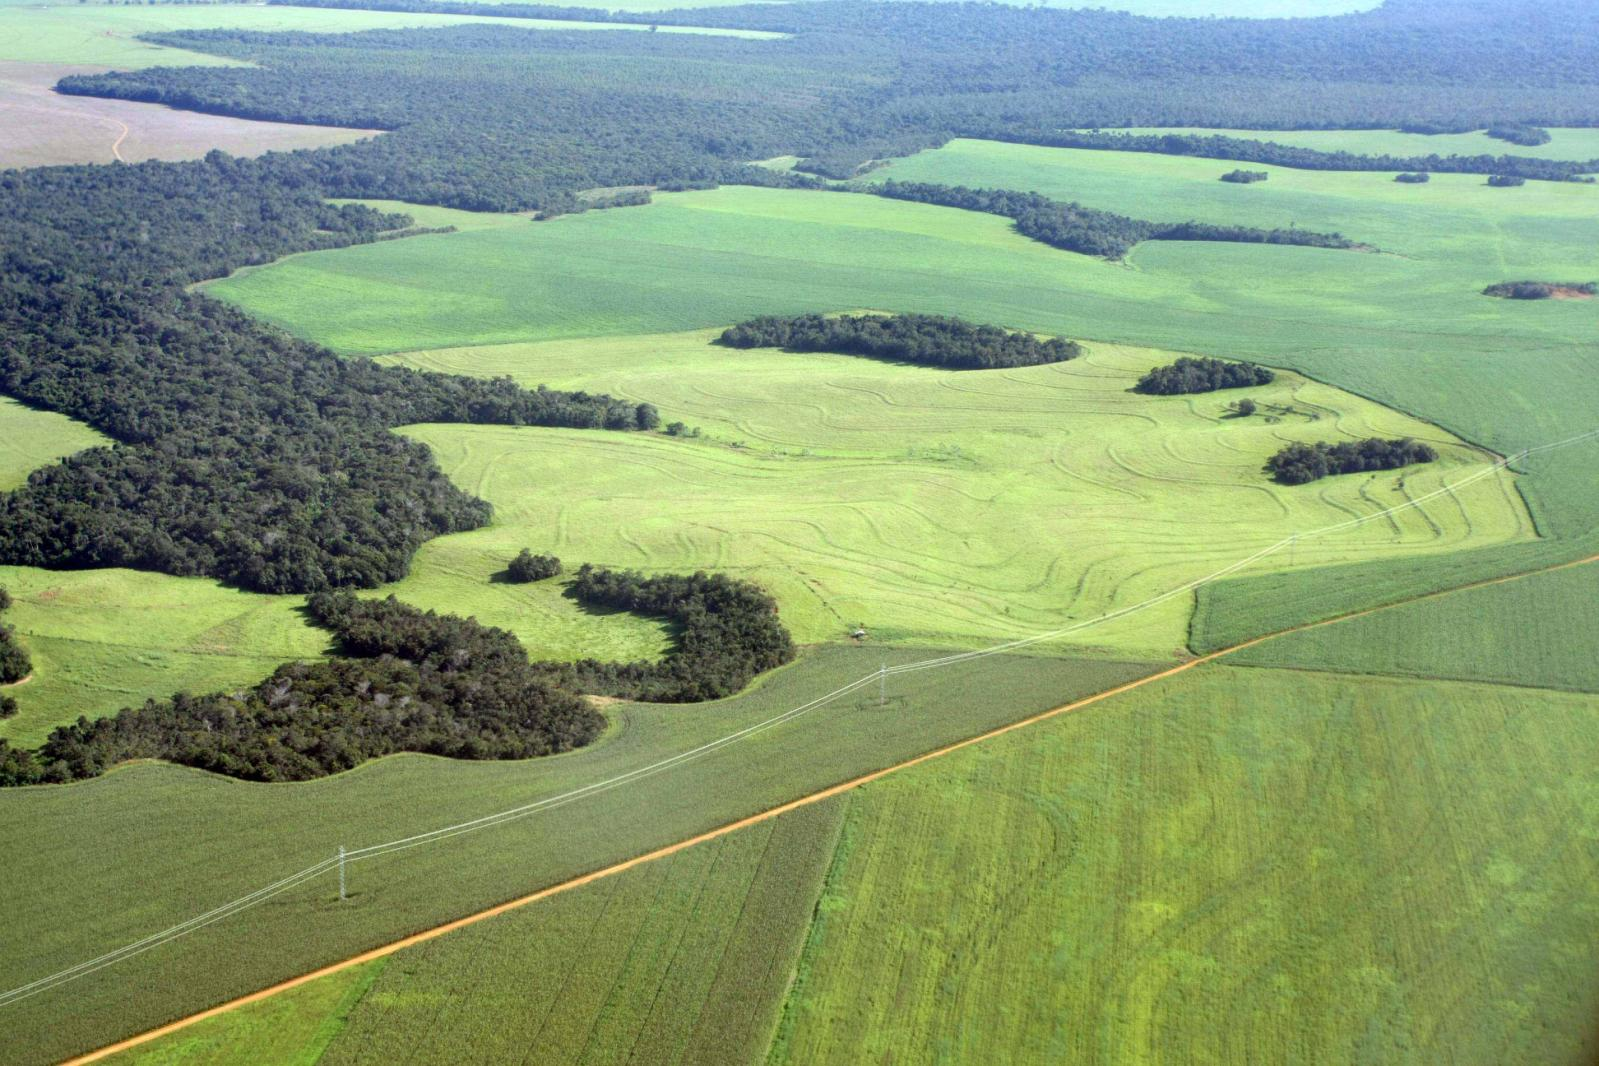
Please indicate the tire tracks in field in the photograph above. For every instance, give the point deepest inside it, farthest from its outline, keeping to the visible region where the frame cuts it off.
(435, 932)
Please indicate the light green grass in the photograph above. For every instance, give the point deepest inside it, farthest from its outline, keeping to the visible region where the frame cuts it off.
(30, 439)
(1568, 143)
(101, 640)
(1234, 866)
(931, 506)
(147, 845)
(1532, 631)
(290, 1029)
(104, 35)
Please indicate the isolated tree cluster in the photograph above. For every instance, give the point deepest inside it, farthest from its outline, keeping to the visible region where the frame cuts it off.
(1418, 178)
(1539, 290)
(1087, 230)
(1204, 374)
(727, 631)
(14, 664)
(528, 567)
(931, 340)
(1245, 177)
(1298, 463)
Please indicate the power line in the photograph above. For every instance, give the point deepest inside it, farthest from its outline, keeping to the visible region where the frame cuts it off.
(344, 857)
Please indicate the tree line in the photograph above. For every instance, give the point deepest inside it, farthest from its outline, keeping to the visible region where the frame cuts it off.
(14, 662)
(1540, 290)
(242, 453)
(1190, 375)
(1298, 463)
(930, 340)
(1087, 230)
(414, 680)
(727, 632)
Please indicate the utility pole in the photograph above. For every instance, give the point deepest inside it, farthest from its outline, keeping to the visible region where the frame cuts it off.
(342, 896)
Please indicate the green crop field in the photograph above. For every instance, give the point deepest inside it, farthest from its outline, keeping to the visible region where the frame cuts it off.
(1541, 634)
(1564, 143)
(109, 840)
(685, 960)
(1233, 866)
(105, 34)
(862, 493)
(30, 439)
(293, 1029)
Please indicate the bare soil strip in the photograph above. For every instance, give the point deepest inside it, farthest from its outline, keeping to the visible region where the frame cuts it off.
(731, 827)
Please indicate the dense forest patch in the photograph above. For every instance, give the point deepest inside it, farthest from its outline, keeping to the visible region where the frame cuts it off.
(1542, 290)
(1299, 463)
(413, 680)
(1526, 136)
(728, 631)
(1087, 230)
(14, 664)
(1205, 374)
(931, 340)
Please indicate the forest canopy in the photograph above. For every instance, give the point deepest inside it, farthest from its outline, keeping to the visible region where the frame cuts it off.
(931, 340)
(1188, 375)
(1299, 463)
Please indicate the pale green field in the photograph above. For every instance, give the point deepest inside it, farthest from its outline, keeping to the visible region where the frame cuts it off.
(101, 640)
(1232, 867)
(930, 506)
(103, 35)
(1569, 143)
(30, 439)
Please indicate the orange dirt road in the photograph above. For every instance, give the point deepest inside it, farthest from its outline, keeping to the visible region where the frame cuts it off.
(731, 827)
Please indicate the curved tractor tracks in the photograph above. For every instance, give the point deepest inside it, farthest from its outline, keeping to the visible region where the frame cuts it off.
(774, 812)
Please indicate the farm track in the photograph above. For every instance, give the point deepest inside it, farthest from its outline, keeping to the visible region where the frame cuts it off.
(435, 932)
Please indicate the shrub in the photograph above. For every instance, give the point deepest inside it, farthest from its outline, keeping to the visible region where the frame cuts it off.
(1300, 463)
(529, 567)
(8, 706)
(1188, 375)
(1245, 177)
(1244, 408)
(1420, 178)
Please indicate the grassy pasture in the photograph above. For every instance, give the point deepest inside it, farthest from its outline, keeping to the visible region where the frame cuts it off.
(30, 439)
(1570, 143)
(1394, 326)
(866, 493)
(104, 34)
(1233, 866)
(46, 129)
(120, 856)
(1537, 631)
(101, 640)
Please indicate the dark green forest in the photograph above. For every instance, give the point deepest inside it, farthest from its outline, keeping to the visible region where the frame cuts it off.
(930, 340)
(247, 455)
(1188, 375)
(1076, 228)
(1298, 463)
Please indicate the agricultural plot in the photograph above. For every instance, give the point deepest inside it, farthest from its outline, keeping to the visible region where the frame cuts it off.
(39, 127)
(863, 493)
(1232, 866)
(1575, 144)
(293, 1029)
(30, 439)
(106, 35)
(207, 839)
(684, 960)
(102, 640)
(1541, 635)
